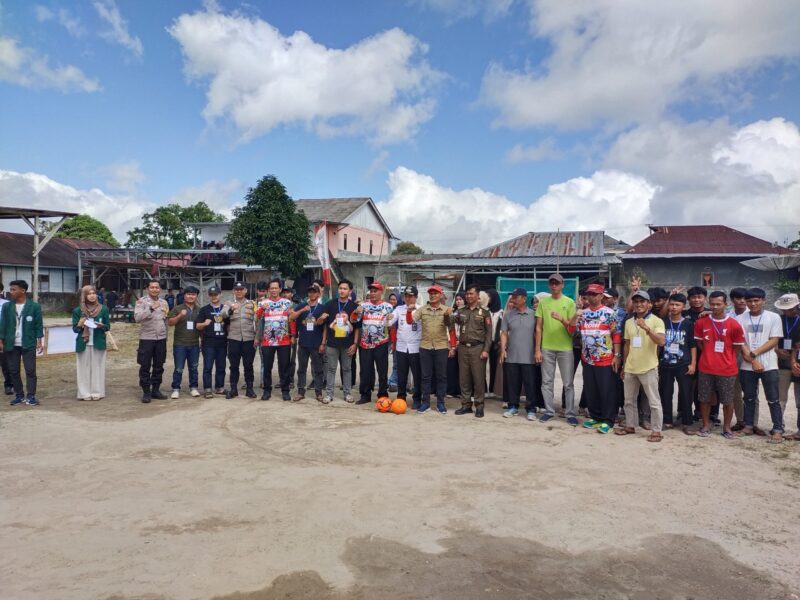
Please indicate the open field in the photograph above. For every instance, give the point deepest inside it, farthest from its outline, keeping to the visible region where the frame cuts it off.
(243, 499)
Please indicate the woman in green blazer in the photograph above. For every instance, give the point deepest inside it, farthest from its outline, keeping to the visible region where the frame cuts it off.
(90, 321)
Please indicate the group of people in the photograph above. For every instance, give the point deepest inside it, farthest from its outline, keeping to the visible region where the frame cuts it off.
(632, 357)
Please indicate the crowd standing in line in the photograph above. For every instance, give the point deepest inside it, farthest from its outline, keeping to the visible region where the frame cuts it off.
(633, 357)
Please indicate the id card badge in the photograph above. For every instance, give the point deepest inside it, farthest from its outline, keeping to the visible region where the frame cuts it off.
(636, 342)
(787, 344)
(340, 322)
(674, 348)
(719, 346)
(217, 327)
(189, 325)
(414, 326)
(309, 325)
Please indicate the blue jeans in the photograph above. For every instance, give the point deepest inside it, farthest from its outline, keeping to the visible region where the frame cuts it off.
(769, 380)
(182, 354)
(214, 356)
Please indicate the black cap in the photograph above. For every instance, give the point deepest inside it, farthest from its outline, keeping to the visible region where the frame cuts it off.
(519, 292)
(262, 285)
(314, 288)
(190, 289)
(239, 286)
(611, 293)
(410, 289)
(213, 290)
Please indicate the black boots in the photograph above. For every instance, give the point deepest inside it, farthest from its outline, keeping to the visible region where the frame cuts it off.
(146, 395)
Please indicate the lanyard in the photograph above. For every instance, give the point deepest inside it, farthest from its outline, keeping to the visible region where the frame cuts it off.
(339, 304)
(719, 331)
(674, 329)
(756, 338)
(215, 312)
(312, 310)
(789, 330)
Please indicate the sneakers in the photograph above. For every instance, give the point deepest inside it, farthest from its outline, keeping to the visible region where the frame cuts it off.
(603, 428)
(545, 418)
(511, 412)
(423, 409)
(348, 398)
(31, 401)
(464, 410)
(194, 393)
(175, 394)
(325, 399)
(531, 415)
(17, 400)
(219, 391)
(209, 394)
(363, 401)
(231, 393)
(442, 409)
(9, 390)
(572, 421)
(591, 424)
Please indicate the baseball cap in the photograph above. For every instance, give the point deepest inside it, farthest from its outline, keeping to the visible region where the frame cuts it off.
(436, 288)
(595, 288)
(286, 288)
(376, 286)
(787, 302)
(410, 290)
(519, 292)
(556, 277)
(314, 288)
(190, 289)
(640, 294)
(239, 286)
(611, 293)
(213, 290)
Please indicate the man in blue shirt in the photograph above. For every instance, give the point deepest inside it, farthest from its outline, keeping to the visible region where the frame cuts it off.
(309, 342)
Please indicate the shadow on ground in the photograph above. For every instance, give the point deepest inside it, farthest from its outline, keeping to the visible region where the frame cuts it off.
(481, 566)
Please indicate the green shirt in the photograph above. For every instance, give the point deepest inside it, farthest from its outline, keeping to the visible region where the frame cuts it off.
(98, 334)
(186, 333)
(554, 335)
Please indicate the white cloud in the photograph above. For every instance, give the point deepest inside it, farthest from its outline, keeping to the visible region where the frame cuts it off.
(26, 67)
(70, 22)
(42, 13)
(124, 177)
(617, 62)
(118, 34)
(220, 196)
(34, 190)
(714, 173)
(260, 79)
(544, 150)
(462, 9)
(446, 220)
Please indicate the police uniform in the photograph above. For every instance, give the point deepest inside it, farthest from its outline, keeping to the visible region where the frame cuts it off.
(474, 338)
(241, 333)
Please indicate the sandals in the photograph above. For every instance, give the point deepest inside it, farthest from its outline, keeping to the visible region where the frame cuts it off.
(687, 430)
(704, 433)
(655, 437)
(624, 431)
(775, 438)
(729, 435)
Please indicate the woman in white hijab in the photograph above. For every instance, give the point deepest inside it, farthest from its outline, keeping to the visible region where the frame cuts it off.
(90, 321)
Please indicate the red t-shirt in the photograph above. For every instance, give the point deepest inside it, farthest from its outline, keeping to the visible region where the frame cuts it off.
(718, 360)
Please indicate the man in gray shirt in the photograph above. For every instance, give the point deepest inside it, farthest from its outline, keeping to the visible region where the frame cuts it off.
(517, 339)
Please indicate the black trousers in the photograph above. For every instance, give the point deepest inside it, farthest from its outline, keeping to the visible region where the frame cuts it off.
(28, 359)
(373, 359)
(293, 362)
(600, 384)
(433, 372)
(7, 381)
(244, 352)
(667, 378)
(453, 377)
(284, 354)
(519, 375)
(150, 357)
(406, 361)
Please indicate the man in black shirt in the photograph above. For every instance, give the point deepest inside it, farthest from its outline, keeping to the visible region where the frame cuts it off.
(678, 363)
(212, 322)
(340, 338)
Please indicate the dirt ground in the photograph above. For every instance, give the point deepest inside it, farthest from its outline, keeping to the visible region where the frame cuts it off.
(243, 499)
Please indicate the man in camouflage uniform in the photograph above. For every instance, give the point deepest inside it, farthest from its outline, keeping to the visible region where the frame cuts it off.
(474, 340)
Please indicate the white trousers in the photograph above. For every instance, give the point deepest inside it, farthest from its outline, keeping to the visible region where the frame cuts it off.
(91, 365)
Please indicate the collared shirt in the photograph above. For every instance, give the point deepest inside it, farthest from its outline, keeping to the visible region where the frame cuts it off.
(242, 321)
(600, 330)
(474, 326)
(642, 354)
(153, 322)
(436, 327)
(409, 335)
(521, 329)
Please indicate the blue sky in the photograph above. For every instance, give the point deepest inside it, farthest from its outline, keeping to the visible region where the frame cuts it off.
(468, 122)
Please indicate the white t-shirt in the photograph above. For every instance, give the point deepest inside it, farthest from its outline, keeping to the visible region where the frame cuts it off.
(757, 331)
(18, 333)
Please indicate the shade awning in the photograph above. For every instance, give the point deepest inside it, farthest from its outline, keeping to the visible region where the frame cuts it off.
(773, 262)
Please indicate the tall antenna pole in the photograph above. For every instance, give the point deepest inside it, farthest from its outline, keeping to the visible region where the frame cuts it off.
(558, 249)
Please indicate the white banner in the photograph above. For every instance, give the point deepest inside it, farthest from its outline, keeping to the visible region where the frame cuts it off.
(321, 243)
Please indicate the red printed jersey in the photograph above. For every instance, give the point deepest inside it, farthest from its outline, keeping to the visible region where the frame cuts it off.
(719, 338)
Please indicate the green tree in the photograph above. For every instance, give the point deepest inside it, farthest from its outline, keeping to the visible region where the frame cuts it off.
(407, 248)
(795, 245)
(84, 227)
(167, 226)
(269, 230)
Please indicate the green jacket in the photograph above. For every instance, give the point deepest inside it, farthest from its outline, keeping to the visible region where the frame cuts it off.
(99, 333)
(32, 328)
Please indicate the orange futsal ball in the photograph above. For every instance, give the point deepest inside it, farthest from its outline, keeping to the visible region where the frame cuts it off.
(383, 404)
(399, 406)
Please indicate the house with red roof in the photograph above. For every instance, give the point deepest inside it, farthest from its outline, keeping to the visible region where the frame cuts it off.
(711, 256)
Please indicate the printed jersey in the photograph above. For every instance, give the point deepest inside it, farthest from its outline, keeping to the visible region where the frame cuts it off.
(374, 331)
(600, 330)
(679, 341)
(718, 360)
(273, 315)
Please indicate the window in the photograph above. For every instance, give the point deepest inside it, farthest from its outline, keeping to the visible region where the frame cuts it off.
(359, 245)
(370, 246)
(44, 283)
(345, 242)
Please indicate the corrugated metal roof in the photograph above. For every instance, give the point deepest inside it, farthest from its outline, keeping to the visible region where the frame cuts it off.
(330, 209)
(701, 240)
(547, 243)
(522, 261)
(17, 249)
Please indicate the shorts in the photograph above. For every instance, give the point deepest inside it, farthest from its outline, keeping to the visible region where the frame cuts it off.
(723, 385)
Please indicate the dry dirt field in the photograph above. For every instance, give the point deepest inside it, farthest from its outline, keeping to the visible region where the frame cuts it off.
(243, 499)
